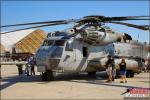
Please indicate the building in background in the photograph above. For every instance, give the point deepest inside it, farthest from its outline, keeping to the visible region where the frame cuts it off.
(21, 42)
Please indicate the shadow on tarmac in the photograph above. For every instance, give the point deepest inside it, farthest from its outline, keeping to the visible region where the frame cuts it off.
(98, 80)
(9, 81)
(15, 79)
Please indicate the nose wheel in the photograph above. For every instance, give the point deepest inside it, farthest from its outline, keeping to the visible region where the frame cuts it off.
(48, 76)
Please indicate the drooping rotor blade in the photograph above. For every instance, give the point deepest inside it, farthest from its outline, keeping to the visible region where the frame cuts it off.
(46, 22)
(52, 24)
(131, 25)
(34, 23)
(45, 25)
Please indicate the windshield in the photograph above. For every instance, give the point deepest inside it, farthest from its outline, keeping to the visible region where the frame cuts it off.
(59, 43)
(57, 52)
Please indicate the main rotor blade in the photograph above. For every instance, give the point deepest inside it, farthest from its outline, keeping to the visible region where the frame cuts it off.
(103, 19)
(52, 24)
(123, 19)
(131, 25)
(126, 17)
(34, 23)
(146, 26)
(48, 22)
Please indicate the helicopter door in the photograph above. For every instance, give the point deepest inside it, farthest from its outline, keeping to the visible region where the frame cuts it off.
(85, 51)
(68, 56)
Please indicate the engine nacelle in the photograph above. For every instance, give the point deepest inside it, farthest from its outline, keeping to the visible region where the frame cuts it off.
(99, 37)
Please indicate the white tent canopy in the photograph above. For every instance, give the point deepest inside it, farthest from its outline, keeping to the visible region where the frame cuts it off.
(9, 39)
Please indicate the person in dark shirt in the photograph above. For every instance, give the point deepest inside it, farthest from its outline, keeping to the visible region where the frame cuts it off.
(31, 62)
(122, 66)
(20, 70)
(109, 69)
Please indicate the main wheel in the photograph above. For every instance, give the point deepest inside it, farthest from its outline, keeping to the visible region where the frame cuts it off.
(130, 74)
(92, 74)
(48, 76)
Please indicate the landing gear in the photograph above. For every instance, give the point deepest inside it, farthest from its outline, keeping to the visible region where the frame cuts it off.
(48, 76)
(92, 74)
(130, 74)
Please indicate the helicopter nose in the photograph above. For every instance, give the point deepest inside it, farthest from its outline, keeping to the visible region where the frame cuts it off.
(53, 63)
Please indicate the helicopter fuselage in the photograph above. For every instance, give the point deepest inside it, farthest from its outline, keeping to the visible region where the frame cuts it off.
(74, 55)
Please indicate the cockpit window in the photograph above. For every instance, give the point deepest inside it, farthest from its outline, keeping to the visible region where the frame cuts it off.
(69, 47)
(45, 43)
(57, 33)
(57, 52)
(59, 42)
(48, 42)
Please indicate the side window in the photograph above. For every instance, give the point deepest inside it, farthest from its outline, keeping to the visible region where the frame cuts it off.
(48, 42)
(69, 47)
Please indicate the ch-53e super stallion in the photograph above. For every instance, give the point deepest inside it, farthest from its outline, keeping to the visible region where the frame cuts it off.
(85, 46)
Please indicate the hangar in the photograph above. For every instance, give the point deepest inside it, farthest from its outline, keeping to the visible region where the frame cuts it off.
(25, 41)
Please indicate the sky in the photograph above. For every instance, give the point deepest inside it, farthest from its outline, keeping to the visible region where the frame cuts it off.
(15, 12)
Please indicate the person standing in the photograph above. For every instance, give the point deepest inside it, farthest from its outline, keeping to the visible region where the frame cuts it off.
(147, 64)
(32, 68)
(32, 63)
(28, 66)
(20, 71)
(0, 72)
(122, 66)
(27, 69)
(109, 69)
(113, 70)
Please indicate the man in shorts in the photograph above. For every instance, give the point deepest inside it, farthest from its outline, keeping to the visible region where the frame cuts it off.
(122, 66)
(109, 68)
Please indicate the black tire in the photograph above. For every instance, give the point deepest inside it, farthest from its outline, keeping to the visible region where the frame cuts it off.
(130, 74)
(48, 76)
(43, 76)
(92, 74)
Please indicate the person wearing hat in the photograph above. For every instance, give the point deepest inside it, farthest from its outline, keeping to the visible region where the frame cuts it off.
(20, 71)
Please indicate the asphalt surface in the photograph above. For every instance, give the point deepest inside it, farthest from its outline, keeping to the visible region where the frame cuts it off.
(68, 86)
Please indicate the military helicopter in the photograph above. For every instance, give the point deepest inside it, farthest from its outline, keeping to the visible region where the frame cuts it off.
(85, 46)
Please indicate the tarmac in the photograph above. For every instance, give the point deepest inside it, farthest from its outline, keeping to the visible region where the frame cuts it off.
(66, 86)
